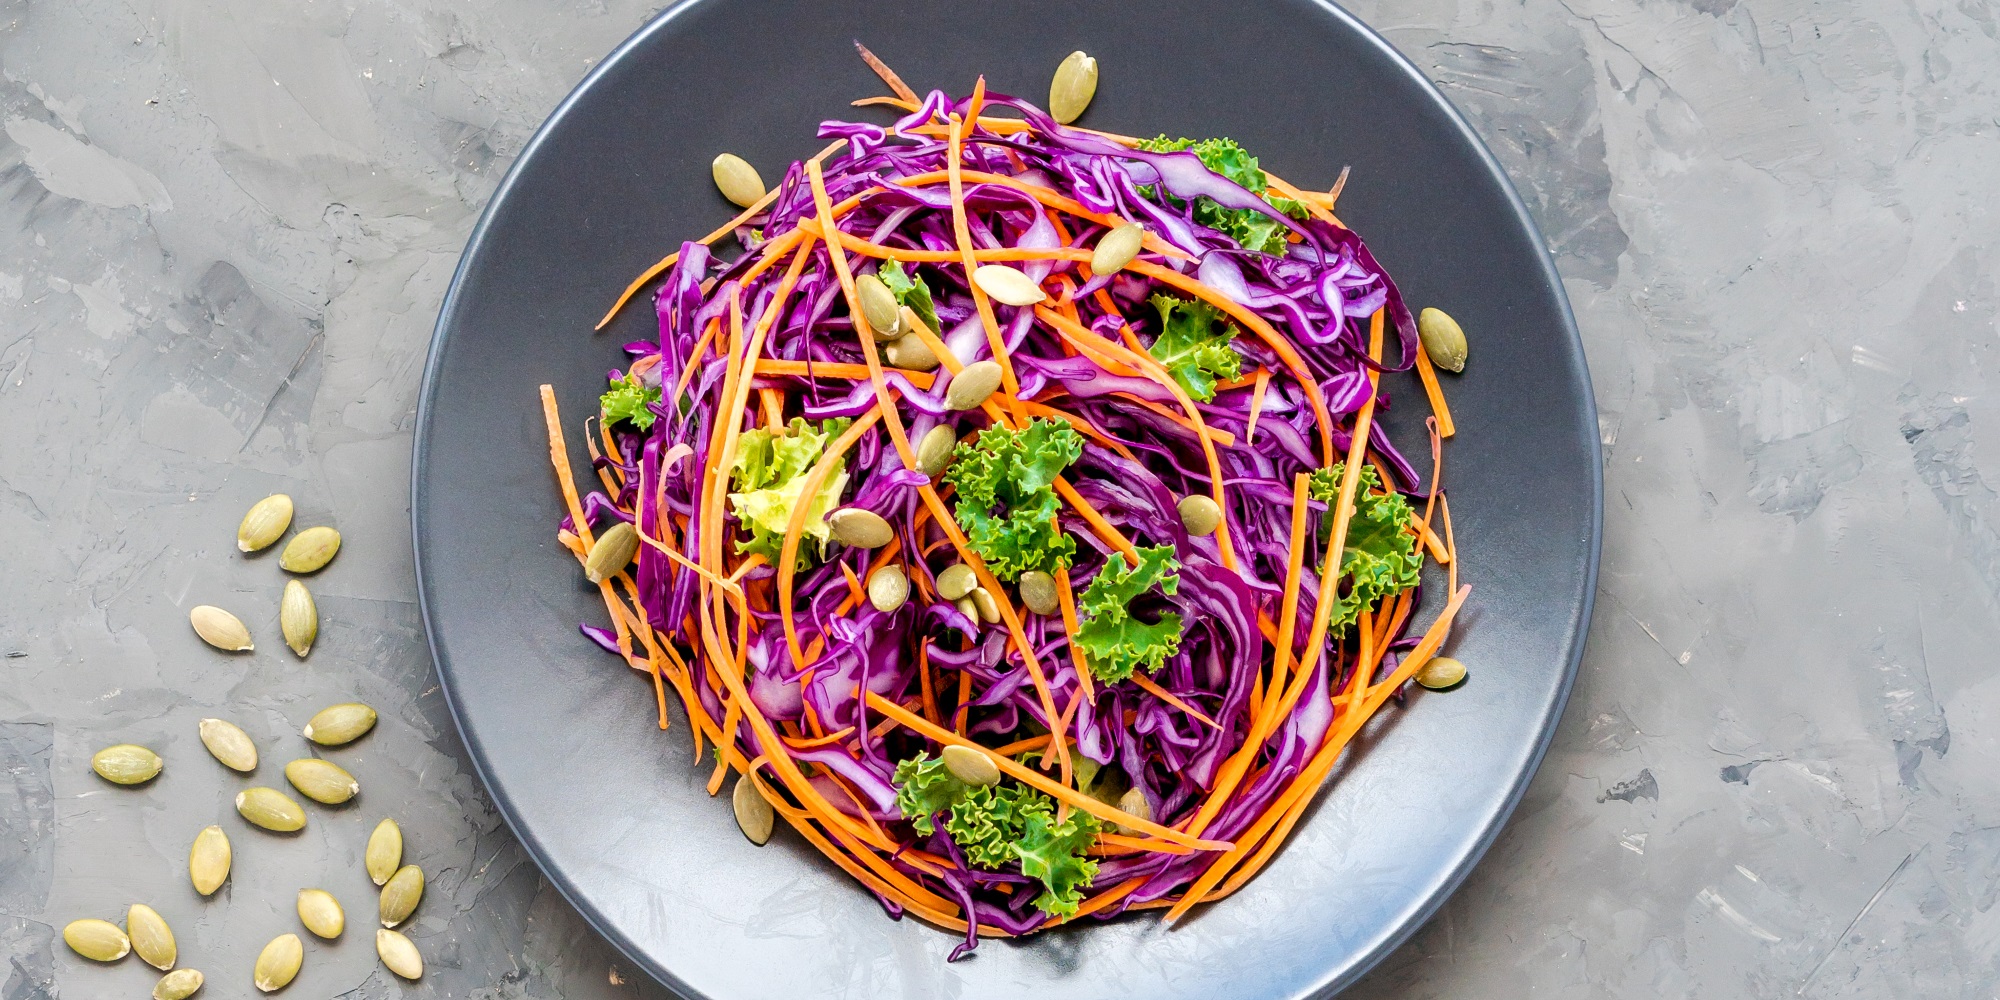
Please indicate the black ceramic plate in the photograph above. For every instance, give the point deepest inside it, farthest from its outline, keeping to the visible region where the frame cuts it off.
(614, 810)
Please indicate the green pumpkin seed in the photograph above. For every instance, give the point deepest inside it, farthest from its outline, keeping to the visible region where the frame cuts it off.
(385, 851)
(337, 725)
(956, 581)
(230, 745)
(935, 450)
(754, 814)
(220, 629)
(1007, 285)
(1440, 673)
(321, 913)
(270, 809)
(177, 985)
(863, 529)
(1038, 592)
(278, 964)
(265, 523)
(879, 307)
(208, 860)
(399, 954)
(310, 550)
(401, 895)
(1200, 515)
(151, 937)
(613, 552)
(1134, 803)
(97, 940)
(322, 781)
(1442, 339)
(1117, 248)
(126, 764)
(968, 609)
(1075, 83)
(737, 180)
(298, 617)
(970, 766)
(888, 589)
(973, 385)
(988, 607)
(911, 353)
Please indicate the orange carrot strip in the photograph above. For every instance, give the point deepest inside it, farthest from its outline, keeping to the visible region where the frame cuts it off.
(835, 369)
(788, 553)
(1068, 206)
(1263, 382)
(1098, 525)
(732, 715)
(1023, 746)
(1217, 435)
(883, 251)
(890, 418)
(1067, 598)
(1147, 685)
(888, 75)
(819, 741)
(1434, 392)
(962, 232)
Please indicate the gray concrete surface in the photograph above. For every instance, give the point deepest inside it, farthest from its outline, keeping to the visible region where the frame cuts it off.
(225, 227)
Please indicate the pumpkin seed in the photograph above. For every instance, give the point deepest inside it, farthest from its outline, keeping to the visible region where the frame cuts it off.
(737, 180)
(1134, 802)
(956, 581)
(402, 893)
(888, 589)
(934, 451)
(321, 913)
(208, 860)
(1007, 285)
(220, 629)
(230, 744)
(970, 766)
(97, 940)
(911, 353)
(265, 523)
(270, 809)
(177, 985)
(1440, 673)
(613, 552)
(1038, 592)
(879, 307)
(310, 550)
(1442, 339)
(385, 851)
(151, 937)
(989, 609)
(862, 529)
(322, 781)
(753, 813)
(972, 385)
(336, 725)
(399, 954)
(126, 764)
(1075, 83)
(1200, 515)
(298, 617)
(1117, 248)
(278, 964)
(968, 609)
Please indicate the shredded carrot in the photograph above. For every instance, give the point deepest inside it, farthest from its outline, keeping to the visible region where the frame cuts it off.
(834, 369)
(888, 75)
(1263, 382)
(1147, 685)
(1434, 392)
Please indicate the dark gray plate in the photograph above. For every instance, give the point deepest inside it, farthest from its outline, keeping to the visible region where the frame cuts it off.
(614, 810)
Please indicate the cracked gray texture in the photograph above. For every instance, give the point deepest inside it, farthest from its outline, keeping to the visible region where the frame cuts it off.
(228, 225)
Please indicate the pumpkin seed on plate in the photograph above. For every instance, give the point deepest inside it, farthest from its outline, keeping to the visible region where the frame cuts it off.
(385, 851)
(988, 607)
(1038, 592)
(310, 550)
(968, 609)
(126, 764)
(265, 523)
(888, 589)
(737, 180)
(151, 937)
(97, 940)
(1008, 285)
(208, 860)
(911, 353)
(278, 964)
(336, 725)
(970, 766)
(1117, 248)
(1442, 339)
(1074, 84)
(934, 451)
(1134, 802)
(298, 617)
(177, 985)
(229, 744)
(973, 385)
(321, 913)
(399, 954)
(956, 581)
(1440, 673)
(879, 307)
(863, 529)
(1200, 515)
(322, 781)
(754, 814)
(271, 809)
(402, 893)
(220, 629)
(613, 552)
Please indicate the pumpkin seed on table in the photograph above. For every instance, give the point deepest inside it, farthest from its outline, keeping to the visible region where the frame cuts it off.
(987, 606)
(126, 764)
(1074, 84)
(956, 581)
(385, 851)
(863, 529)
(737, 180)
(321, 913)
(888, 589)
(278, 964)
(1440, 673)
(97, 940)
(754, 814)
(228, 743)
(970, 766)
(220, 629)
(613, 552)
(1038, 592)
(336, 725)
(399, 954)
(1200, 515)
(973, 385)
(177, 985)
(911, 353)
(879, 307)
(1117, 248)
(322, 781)
(298, 617)
(208, 860)
(1443, 341)
(151, 938)
(310, 550)
(265, 523)
(1008, 285)
(1134, 803)
(271, 809)
(934, 451)
(401, 894)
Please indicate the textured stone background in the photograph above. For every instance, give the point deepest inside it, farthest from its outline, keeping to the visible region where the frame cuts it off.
(225, 227)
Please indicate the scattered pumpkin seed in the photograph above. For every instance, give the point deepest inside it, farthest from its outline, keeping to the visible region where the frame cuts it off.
(336, 725)
(271, 809)
(126, 764)
(278, 964)
(1134, 802)
(177, 985)
(1117, 248)
(968, 609)
(220, 629)
(911, 353)
(399, 954)
(1200, 515)
(1075, 83)
(298, 617)
(321, 913)
(1442, 339)
(934, 451)
(879, 307)
(229, 744)
(385, 851)
(860, 528)
(265, 523)
(208, 860)
(1038, 592)
(310, 550)
(888, 589)
(737, 180)
(753, 813)
(1008, 285)
(972, 385)
(151, 937)
(989, 609)
(1440, 673)
(97, 940)
(322, 781)
(402, 893)
(956, 581)
(970, 766)
(613, 552)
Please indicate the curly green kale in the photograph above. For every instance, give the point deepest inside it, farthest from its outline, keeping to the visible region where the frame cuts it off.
(1114, 642)
(1001, 824)
(1014, 472)
(1193, 345)
(627, 399)
(1250, 229)
(1381, 557)
(1053, 852)
(770, 474)
(909, 290)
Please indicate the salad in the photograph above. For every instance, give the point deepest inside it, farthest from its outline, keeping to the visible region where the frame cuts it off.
(1009, 516)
